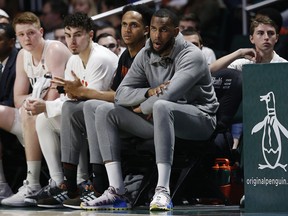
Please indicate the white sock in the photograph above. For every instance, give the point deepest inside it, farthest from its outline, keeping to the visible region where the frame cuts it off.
(33, 173)
(164, 172)
(115, 178)
(2, 176)
(58, 177)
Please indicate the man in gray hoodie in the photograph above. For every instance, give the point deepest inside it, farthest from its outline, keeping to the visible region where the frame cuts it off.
(168, 92)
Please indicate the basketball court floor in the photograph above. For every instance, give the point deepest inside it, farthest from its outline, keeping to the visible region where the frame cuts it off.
(201, 210)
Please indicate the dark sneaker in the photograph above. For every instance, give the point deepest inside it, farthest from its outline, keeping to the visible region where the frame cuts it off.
(57, 196)
(43, 193)
(161, 200)
(109, 200)
(87, 194)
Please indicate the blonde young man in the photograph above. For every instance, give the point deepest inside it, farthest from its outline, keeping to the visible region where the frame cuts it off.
(37, 58)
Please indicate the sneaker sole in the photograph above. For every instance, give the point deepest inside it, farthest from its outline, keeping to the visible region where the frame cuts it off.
(16, 204)
(95, 208)
(72, 206)
(50, 206)
(159, 208)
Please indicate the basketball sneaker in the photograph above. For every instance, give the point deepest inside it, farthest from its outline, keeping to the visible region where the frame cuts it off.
(161, 200)
(109, 200)
(87, 194)
(57, 196)
(43, 193)
(5, 191)
(24, 191)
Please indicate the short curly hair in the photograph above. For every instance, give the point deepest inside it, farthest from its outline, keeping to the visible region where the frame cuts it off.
(142, 9)
(79, 20)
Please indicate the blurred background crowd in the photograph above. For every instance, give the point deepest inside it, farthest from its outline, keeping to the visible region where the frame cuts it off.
(220, 22)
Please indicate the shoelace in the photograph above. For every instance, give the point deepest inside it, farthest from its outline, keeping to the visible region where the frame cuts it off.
(44, 189)
(25, 189)
(108, 195)
(54, 191)
(161, 189)
(87, 191)
(47, 187)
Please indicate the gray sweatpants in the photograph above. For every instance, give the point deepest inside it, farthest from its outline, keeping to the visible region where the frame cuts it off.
(89, 109)
(73, 132)
(170, 119)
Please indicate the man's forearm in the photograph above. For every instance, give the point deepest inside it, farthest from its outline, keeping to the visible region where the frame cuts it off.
(88, 93)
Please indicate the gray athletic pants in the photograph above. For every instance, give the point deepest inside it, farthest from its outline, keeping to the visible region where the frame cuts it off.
(170, 119)
(73, 132)
(90, 107)
(76, 117)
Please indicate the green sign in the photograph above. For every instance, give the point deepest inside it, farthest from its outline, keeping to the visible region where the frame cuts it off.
(265, 138)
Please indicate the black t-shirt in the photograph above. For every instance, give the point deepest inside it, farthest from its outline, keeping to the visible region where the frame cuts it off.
(124, 63)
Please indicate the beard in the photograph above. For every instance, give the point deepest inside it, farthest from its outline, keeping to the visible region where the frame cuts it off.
(165, 48)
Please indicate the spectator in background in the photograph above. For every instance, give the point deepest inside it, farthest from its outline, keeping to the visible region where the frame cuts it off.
(107, 5)
(107, 27)
(194, 37)
(53, 13)
(175, 5)
(108, 41)
(8, 54)
(4, 17)
(281, 46)
(274, 15)
(263, 35)
(85, 6)
(192, 21)
(209, 14)
(59, 34)
(189, 21)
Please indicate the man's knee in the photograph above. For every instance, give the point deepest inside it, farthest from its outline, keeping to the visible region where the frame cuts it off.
(106, 109)
(41, 122)
(89, 106)
(92, 105)
(73, 112)
(67, 108)
(161, 105)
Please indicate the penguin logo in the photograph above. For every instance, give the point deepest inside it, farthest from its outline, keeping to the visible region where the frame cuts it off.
(271, 139)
